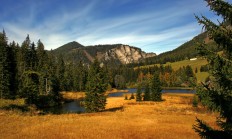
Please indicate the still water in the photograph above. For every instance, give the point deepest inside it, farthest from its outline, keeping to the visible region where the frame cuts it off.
(75, 107)
(69, 107)
(133, 90)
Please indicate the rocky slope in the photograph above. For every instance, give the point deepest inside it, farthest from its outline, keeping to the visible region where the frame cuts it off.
(126, 54)
(117, 53)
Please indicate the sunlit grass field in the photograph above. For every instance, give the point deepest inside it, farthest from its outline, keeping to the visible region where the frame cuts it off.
(170, 119)
(195, 64)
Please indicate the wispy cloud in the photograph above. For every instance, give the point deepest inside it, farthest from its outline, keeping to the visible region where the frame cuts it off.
(151, 25)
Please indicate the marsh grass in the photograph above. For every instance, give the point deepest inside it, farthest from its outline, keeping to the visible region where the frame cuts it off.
(169, 119)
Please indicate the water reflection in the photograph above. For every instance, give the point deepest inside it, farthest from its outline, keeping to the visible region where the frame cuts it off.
(70, 107)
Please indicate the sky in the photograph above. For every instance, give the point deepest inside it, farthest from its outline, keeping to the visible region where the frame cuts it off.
(152, 25)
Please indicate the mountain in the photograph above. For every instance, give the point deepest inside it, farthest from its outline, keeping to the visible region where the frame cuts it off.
(69, 46)
(185, 51)
(116, 53)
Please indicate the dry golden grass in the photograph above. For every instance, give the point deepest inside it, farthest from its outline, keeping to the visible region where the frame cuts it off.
(169, 119)
(73, 95)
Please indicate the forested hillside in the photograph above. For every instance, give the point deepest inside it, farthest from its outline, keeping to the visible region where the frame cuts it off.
(185, 51)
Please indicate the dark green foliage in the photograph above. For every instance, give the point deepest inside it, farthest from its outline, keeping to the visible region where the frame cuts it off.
(4, 67)
(60, 71)
(33, 62)
(42, 57)
(80, 77)
(189, 71)
(186, 77)
(132, 96)
(206, 132)
(147, 95)
(204, 98)
(219, 89)
(155, 88)
(54, 98)
(12, 64)
(96, 86)
(119, 81)
(195, 101)
(30, 87)
(8, 68)
(204, 68)
(139, 93)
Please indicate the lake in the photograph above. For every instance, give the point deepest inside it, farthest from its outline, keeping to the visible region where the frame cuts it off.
(133, 90)
(69, 107)
(75, 107)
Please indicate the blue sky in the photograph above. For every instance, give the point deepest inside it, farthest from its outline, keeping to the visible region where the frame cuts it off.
(152, 25)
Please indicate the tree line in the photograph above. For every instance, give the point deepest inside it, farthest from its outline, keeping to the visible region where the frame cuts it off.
(29, 71)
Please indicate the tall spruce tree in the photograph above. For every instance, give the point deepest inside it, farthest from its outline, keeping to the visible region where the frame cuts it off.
(155, 88)
(41, 55)
(25, 55)
(139, 93)
(147, 95)
(30, 87)
(42, 68)
(220, 88)
(80, 77)
(12, 68)
(33, 59)
(4, 67)
(96, 86)
(60, 71)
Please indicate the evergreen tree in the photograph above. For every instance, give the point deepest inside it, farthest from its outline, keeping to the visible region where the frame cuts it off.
(5, 83)
(23, 63)
(139, 93)
(60, 71)
(33, 60)
(55, 91)
(96, 86)
(156, 89)
(147, 95)
(41, 55)
(119, 81)
(25, 55)
(69, 77)
(220, 87)
(30, 87)
(42, 68)
(80, 76)
(132, 96)
(12, 68)
(189, 71)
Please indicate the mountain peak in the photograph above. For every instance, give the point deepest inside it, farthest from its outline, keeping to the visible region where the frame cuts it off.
(68, 47)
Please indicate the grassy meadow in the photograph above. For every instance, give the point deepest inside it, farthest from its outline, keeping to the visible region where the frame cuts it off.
(170, 119)
(195, 64)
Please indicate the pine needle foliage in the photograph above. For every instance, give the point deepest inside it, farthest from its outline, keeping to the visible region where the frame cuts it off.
(96, 86)
(220, 87)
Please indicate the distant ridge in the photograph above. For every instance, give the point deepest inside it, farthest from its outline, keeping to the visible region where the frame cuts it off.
(112, 54)
(185, 51)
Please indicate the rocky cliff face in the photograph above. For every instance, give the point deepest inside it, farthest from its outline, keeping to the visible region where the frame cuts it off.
(116, 53)
(126, 54)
